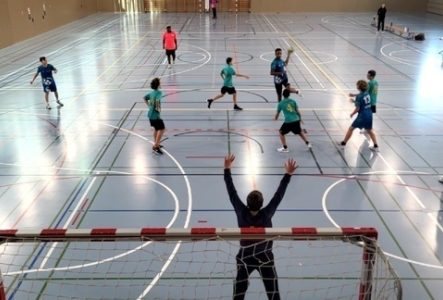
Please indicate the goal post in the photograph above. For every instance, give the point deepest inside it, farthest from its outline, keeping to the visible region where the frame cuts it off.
(194, 263)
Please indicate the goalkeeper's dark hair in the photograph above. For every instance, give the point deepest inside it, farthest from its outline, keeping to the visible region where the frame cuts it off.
(255, 200)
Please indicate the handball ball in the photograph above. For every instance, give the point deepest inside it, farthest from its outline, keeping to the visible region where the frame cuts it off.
(290, 50)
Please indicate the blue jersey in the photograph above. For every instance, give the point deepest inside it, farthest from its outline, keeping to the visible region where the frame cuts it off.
(278, 65)
(364, 117)
(363, 102)
(46, 72)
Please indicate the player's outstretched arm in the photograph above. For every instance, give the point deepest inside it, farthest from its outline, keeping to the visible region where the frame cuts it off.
(233, 196)
(229, 159)
(291, 166)
(241, 75)
(290, 50)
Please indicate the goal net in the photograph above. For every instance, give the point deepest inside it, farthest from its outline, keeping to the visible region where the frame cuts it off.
(196, 263)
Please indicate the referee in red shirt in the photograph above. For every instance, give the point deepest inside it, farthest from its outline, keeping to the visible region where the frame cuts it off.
(170, 44)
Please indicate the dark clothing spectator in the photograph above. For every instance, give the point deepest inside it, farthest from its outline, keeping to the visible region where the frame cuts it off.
(381, 13)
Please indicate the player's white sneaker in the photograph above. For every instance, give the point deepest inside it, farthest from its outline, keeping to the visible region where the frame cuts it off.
(440, 179)
(48, 106)
(374, 148)
(60, 104)
(283, 149)
(309, 145)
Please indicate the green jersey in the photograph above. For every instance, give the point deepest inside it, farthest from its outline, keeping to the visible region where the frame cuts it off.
(289, 108)
(154, 104)
(228, 72)
(373, 90)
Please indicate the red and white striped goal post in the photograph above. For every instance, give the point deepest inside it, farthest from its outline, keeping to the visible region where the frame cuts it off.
(196, 233)
(366, 235)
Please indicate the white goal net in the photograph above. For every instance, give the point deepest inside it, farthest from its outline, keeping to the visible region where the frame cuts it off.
(197, 263)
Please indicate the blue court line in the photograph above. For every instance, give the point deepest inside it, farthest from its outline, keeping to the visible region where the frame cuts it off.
(279, 210)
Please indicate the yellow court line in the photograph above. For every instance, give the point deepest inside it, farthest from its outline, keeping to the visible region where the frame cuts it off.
(319, 68)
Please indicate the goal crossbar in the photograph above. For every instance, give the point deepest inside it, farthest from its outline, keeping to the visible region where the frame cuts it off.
(364, 237)
(197, 233)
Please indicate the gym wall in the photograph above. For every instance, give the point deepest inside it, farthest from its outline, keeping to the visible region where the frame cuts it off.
(416, 6)
(435, 7)
(22, 19)
(122, 5)
(17, 24)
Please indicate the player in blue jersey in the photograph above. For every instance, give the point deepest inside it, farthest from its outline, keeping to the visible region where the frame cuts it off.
(364, 117)
(372, 90)
(256, 254)
(48, 82)
(228, 87)
(278, 70)
(292, 121)
(153, 101)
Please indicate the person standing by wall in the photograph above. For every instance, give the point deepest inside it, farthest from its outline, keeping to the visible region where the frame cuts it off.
(381, 13)
(214, 8)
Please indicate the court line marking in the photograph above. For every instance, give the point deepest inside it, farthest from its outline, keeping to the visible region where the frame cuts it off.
(15, 88)
(68, 222)
(188, 216)
(339, 89)
(414, 196)
(174, 252)
(209, 57)
(335, 224)
(394, 58)
(305, 65)
(74, 267)
(55, 51)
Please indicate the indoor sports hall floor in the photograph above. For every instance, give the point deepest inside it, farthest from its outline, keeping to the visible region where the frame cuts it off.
(89, 164)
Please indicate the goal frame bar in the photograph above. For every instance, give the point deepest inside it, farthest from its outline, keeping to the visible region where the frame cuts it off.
(367, 236)
(195, 233)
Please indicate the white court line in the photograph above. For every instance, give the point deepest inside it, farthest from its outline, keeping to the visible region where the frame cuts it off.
(270, 23)
(55, 51)
(209, 56)
(80, 202)
(112, 258)
(188, 216)
(170, 258)
(396, 59)
(303, 63)
(329, 217)
(299, 58)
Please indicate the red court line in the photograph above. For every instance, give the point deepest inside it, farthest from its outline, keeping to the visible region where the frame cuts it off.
(204, 156)
(248, 143)
(235, 58)
(80, 211)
